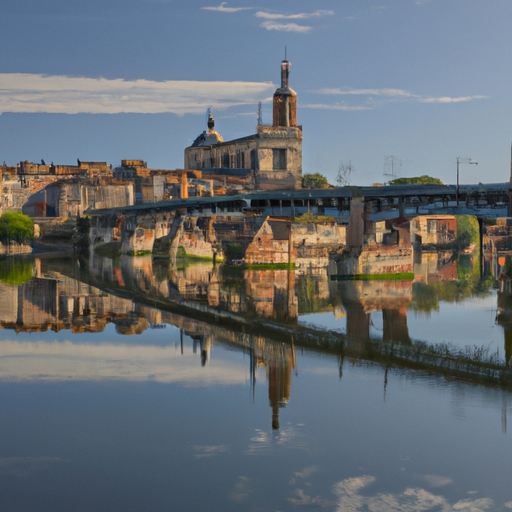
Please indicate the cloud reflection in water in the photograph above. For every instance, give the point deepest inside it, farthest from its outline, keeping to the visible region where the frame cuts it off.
(350, 499)
(63, 361)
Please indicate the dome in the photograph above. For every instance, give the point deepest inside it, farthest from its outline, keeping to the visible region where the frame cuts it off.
(210, 137)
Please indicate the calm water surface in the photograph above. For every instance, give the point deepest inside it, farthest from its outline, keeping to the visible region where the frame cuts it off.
(126, 407)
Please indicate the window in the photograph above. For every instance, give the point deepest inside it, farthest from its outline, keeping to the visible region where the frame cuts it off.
(240, 160)
(279, 159)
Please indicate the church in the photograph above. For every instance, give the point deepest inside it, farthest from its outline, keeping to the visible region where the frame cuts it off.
(272, 156)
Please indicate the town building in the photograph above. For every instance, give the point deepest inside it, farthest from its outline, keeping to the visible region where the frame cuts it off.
(72, 197)
(273, 154)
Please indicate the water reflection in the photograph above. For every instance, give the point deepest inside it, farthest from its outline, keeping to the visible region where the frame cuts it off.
(131, 293)
(119, 381)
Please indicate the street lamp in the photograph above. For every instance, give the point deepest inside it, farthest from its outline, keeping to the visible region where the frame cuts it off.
(462, 161)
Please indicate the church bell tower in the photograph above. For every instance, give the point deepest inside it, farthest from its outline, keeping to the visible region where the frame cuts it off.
(284, 112)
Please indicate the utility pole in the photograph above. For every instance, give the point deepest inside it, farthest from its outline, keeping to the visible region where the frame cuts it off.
(461, 161)
(392, 164)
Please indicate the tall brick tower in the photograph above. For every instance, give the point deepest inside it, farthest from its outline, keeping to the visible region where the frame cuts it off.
(285, 101)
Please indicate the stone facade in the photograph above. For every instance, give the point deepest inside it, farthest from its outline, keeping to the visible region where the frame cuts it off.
(372, 261)
(306, 244)
(433, 229)
(73, 197)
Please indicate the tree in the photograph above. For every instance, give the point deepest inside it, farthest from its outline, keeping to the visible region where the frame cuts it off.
(418, 180)
(16, 226)
(344, 173)
(315, 180)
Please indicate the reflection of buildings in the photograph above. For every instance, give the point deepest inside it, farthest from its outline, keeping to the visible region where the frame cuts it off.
(57, 303)
(361, 298)
(433, 230)
(504, 316)
(432, 267)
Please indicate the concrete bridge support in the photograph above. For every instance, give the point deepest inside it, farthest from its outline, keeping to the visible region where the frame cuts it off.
(137, 235)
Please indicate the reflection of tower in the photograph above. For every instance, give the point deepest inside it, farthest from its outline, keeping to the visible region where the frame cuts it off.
(358, 325)
(505, 317)
(279, 373)
(205, 346)
(395, 325)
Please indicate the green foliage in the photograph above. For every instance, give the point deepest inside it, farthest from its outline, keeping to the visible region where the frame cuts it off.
(233, 251)
(16, 227)
(418, 180)
(271, 266)
(426, 297)
(315, 180)
(16, 271)
(313, 217)
(468, 231)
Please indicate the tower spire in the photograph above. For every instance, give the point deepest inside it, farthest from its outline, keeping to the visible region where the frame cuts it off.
(285, 72)
(285, 100)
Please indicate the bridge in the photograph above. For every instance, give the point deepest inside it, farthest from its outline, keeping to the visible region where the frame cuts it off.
(138, 226)
(386, 202)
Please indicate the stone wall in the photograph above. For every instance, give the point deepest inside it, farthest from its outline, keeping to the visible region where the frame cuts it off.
(12, 248)
(376, 260)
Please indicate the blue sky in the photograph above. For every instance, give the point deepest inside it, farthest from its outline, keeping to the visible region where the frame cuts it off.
(422, 81)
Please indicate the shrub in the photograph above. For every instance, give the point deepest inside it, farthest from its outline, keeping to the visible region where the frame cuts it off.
(315, 180)
(16, 226)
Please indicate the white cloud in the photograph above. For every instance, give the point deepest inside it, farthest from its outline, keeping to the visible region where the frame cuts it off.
(299, 16)
(222, 8)
(367, 92)
(72, 95)
(397, 95)
(270, 22)
(324, 106)
(447, 99)
(437, 481)
(410, 500)
(286, 27)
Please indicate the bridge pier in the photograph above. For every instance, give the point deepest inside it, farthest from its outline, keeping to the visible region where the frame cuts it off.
(137, 235)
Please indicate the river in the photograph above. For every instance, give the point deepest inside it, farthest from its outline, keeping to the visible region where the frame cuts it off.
(132, 384)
